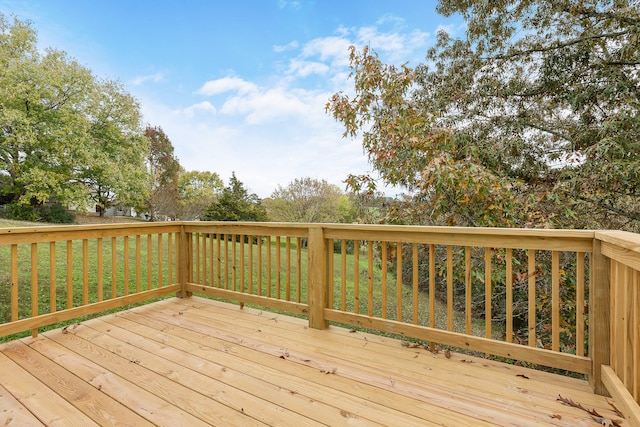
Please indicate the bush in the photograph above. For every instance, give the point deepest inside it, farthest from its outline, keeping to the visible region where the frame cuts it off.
(21, 212)
(57, 214)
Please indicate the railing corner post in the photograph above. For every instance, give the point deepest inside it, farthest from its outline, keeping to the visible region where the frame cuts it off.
(183, 263)
(599, 319)
(318, 278)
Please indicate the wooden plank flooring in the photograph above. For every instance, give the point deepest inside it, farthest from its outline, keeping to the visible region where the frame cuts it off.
(198, 362)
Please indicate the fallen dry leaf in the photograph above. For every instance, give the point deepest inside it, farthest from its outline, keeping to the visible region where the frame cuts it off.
(522, 376)
(615, 409)
(409, 344)
(447, 354)
(556, 416)
(594, 414)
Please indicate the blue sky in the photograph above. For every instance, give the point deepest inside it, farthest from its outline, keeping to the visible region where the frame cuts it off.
(239, 85)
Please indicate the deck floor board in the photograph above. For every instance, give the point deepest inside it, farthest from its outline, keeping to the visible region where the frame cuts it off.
(197, 361)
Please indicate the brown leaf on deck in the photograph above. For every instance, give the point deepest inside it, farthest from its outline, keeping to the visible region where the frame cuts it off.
(522, 376)
(556, 416)
(594, 414)
(410, 344)
(615, 409)
(447, 354)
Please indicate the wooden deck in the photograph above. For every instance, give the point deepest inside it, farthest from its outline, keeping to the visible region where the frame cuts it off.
(197, 362)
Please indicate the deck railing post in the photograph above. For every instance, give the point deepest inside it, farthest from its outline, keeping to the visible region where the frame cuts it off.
(317, 287)
(599, 326)
(183, 262)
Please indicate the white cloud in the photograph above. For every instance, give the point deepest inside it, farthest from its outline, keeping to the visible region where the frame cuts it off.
(283, 48)
(272, 133)
(294, 4)
(305, 68)
(226, 84)
(155, 78)
(201, 107)
(332, 49)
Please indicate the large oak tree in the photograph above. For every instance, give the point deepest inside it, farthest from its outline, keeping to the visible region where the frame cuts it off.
(64, 135)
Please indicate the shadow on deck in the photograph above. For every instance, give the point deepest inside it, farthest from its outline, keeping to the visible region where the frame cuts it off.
(197, 362)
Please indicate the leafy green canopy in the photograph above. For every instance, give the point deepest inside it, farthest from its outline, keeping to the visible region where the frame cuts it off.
(530, 119)
(197, 190)
(308, 200)
(236, 204)
(64, 134)
(164, 171)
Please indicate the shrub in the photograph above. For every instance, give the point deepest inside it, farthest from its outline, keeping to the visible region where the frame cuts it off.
(57, 214)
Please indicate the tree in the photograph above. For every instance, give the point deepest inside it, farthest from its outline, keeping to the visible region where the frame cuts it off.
(43, 131)
(530, 119)
(64, 135)
(164, 169)
(196, 191)
(113, 164)
(308, 200)
(236, 204)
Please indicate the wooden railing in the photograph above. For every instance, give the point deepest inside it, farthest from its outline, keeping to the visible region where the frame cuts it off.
(53, 274)
(559, 298)
(621, 375)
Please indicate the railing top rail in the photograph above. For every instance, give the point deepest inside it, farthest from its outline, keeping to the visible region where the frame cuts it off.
(623, 239)
(71, 232)
(543, 239)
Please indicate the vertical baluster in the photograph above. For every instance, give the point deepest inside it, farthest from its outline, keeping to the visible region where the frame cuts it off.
(100, 269)
(250, 262)
(34, 285)
(259, 266)
(197, 266)
(138, 263)
(69, 274)
(219, 260)
(242, 263)
(509, 295)
(399, 282)
(170, 258)
(415, 283)
(85, 271)
(288, 261)
(114, 263)
(487, 293)
(384, 278)
(343, 285)
(356, 276)
(14, 283)
(298, 269)
(532, 297)
(370, 278)
(432, 287)
(234, 257)
(160, 263)
(580, 286)
(268, 283)
(52, 277)
(555, 301)
(126, 264)
(468, 290)
(150, 263)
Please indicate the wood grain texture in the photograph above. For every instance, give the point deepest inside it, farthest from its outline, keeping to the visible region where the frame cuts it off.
(195, 361)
